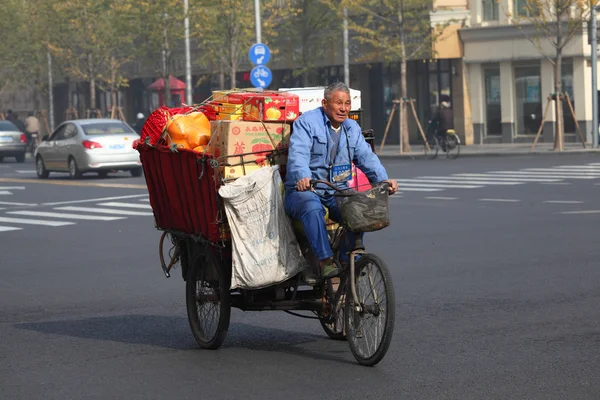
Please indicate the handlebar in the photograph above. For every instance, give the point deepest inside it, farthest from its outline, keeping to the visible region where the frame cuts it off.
(314, 182)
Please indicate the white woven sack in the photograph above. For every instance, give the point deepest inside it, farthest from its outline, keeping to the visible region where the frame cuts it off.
(264, 246)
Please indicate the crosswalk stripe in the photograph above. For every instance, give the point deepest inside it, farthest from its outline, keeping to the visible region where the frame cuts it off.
(144, 200)
(65, 215)
(419, 189)
(502, 178)
(12, 187)
(563, 202)
(457, 180)
(5, 192)
(404, 183)
(558, 171)
(9, 228)
(501, 200)
(104, 211)
(126, 205)
(584, 167)
(35, 221)
(516, 174)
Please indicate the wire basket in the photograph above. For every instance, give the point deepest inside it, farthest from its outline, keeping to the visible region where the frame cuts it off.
(366, 211)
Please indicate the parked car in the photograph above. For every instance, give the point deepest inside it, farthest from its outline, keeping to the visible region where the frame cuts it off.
(89, 145)
(13, 142)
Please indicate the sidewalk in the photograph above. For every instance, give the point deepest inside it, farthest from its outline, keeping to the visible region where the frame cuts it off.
(491, 150)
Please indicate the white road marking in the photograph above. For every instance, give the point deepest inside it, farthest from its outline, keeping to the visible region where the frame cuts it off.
(8, 203)
(26, 171)
(144, 199)
(12, 187)
(92, 200)
(578, 167)
(126, 205)
(65, 215)
(562, 172)
(523, 174)
(454, 179)
(503, 178)
(582, 212)
(9, 228)
(563, 201)
(502, 200)
(404, 183)
(441, 198)
(35, 221)
(555, 183)
(417, 189)
(104, 211)
(5, 192)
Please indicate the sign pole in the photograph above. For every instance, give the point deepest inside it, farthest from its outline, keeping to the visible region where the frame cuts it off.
(594, 44)
(257, 20)
(188, 63)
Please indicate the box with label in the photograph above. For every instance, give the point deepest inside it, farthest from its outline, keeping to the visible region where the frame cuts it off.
(312, 97)
(272, 107)
(242, 137)
(236, 171)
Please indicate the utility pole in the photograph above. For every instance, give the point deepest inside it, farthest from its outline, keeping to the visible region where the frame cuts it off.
(257, 20)
(594, 44)
(50, 93)
(346, 50)
(188, 62)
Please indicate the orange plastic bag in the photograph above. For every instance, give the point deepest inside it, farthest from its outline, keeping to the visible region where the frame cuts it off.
(188, 130)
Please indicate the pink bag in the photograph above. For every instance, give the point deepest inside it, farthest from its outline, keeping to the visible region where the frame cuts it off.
(359, 180)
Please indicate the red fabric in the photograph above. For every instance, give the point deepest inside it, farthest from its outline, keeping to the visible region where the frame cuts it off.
(183, 191)
(174, 83)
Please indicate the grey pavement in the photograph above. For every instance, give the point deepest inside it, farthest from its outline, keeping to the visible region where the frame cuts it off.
(491, 150)
(497, 295)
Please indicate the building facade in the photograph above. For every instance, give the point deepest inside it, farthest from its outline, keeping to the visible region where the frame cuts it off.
(510, 79)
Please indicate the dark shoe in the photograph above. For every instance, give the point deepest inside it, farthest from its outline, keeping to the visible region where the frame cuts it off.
(309, 277)
(330, 271)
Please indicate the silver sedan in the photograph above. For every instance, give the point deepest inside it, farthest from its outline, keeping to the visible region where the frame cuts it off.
(89, 145)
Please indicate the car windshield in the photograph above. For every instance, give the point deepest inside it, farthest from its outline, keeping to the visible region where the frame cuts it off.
(7, 126)
(106, 128)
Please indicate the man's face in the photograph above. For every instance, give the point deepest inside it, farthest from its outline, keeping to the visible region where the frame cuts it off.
(337, 107)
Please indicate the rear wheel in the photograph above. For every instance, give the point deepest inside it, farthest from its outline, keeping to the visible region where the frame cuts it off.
(74, 171)
(137, 172)
(40, 168)
(452, 146)
(208, 301)
(370, 323)
(20, 158)
(431, 152)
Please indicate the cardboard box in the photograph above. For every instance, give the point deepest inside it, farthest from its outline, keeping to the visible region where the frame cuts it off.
(234, 172)
(241, 137)
(311, 97)
(272, 108)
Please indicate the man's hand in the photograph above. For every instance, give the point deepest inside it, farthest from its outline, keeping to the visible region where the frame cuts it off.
(393, 188)
(304, 184)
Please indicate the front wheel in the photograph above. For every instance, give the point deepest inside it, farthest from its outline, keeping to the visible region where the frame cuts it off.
(208, 301)
(370, 323)
(452, 146)
(334, 327)
(431, 147)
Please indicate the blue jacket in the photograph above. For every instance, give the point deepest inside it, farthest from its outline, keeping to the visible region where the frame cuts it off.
(310, 149)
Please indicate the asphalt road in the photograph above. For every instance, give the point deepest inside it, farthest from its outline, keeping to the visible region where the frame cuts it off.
(497, 290)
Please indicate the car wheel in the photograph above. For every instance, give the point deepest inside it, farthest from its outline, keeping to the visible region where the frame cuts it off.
(20, 158)
(74, 171)
(136, 172)
(102, 174)
(40, 168)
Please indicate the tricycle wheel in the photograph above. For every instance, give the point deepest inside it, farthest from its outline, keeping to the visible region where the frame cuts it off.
(335, 329)
(208, 301)
(370, 324)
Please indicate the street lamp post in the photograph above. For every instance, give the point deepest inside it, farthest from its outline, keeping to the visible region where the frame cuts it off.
(594, 44)
(188, 62)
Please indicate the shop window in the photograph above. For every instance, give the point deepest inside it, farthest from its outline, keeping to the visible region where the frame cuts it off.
(528, 99)
(493, 111)
(567, 87)
(526, 8)
(490, 10)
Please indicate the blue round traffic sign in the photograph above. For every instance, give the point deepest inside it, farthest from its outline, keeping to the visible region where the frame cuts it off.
(261, 76)
(259, 54)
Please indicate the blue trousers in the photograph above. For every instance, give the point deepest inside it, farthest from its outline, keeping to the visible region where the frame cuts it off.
(307, 207)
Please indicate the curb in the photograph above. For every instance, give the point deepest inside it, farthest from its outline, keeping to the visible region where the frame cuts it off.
(416, 156)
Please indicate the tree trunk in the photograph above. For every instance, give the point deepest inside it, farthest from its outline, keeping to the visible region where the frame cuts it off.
(559, 142)
(166, 69)
(113, 78)
(221, 78)
(92, 73)
(403, 105)
(233, 63)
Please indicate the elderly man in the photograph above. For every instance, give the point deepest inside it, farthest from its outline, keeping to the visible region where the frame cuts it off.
(323, 145)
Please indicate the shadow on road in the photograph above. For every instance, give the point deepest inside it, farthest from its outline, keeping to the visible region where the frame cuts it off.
(174, 333)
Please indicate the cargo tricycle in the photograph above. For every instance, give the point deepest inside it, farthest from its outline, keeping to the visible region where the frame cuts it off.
(358, 306)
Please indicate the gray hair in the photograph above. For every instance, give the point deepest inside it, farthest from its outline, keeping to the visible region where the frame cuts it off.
(335, 87)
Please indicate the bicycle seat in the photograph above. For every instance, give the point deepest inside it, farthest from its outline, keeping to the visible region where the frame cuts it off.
(450, 132)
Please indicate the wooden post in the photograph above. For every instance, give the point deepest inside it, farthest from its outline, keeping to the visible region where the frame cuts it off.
(542, 123)
(575, 119)
(412, 104)
(387, 127)
(113, 111)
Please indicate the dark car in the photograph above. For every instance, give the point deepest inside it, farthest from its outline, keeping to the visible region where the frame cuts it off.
(13, 142)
